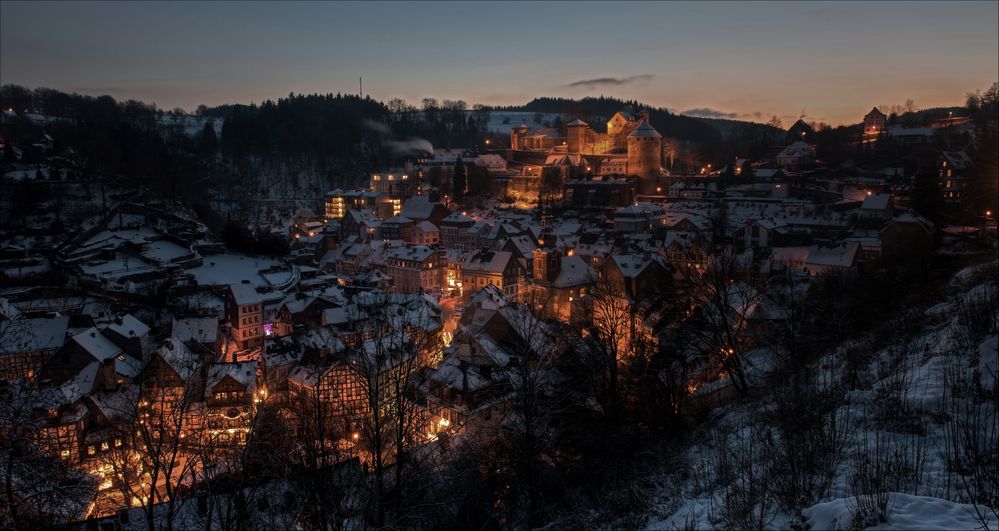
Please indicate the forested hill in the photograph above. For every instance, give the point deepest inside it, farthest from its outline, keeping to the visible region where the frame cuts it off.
(302, 144)
(699, 130)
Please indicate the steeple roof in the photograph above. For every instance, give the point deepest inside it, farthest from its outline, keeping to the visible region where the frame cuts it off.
(645, 130)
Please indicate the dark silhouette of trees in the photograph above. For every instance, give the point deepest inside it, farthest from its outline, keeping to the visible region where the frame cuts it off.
(460, 179)
(927, 199)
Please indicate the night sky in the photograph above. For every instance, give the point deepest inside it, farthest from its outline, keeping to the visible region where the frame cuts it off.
(830, 61)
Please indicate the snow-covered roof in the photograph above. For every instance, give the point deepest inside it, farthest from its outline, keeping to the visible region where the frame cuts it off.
(631, 265)
(456, 218)
(573, 271)
(200, 329)
(418, 253)
(958, 160)
(244, 372)
(128, 326)
(489, 261)
(82, 384)
(876, 202)
(909, 217)
(842, 255)
(180, 358)
(639, 210)
(95, 343)
(427, 227)
(797, 149)
(245, 294)
(30, 335)
(458, 374)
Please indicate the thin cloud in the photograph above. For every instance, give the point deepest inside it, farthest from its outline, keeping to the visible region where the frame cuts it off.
(609, 81)
(707, 112)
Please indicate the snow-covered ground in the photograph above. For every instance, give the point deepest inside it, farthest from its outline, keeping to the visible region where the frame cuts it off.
(905, 512)
(230, 268)
(900, 418)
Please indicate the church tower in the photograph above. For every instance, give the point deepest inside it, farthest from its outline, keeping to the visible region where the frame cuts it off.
(645, 147)
(547, 259)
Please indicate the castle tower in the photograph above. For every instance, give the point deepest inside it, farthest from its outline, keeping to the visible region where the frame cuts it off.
(645, 147)
(516, 134)
(576, 136)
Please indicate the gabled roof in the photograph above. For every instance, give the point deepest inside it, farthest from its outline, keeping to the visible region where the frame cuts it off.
(427, 226)
(418, 253)
(798, 149)
(244, 372)
(630, 265)
(842, 255)
(180, 358)
(489, 261)
(573, 271)
(96, 344)
(128, 326)
(874, 112)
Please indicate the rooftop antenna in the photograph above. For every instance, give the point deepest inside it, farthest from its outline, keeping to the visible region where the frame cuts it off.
(360, 87)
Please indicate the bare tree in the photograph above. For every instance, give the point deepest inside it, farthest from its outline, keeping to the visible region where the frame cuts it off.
(159, 457)
(721, 294)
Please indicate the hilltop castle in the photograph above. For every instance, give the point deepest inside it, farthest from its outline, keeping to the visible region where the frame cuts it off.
(631, 146)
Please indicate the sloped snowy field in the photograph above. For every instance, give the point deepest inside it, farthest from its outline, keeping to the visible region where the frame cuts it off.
(902, 413)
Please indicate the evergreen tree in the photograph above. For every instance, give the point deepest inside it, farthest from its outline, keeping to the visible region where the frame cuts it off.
(728, 176)
(927, 199)
(981, 195)
(8, 153)
(460, 179)
(746, 172)
(207, 141)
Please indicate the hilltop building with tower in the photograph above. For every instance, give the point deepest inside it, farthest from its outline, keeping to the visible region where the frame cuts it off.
(630, 147)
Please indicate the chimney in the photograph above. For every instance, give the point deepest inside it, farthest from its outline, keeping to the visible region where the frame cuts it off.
(645, 116)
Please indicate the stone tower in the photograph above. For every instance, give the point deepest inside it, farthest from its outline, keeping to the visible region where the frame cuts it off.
(575, 131)
(516, 134)
(645, 147)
